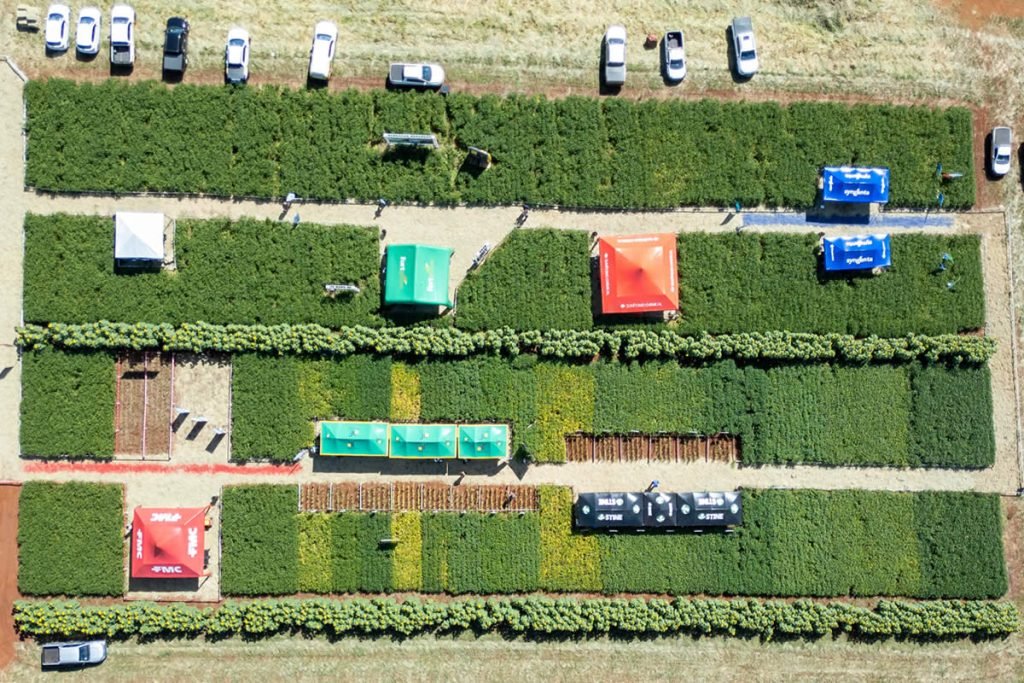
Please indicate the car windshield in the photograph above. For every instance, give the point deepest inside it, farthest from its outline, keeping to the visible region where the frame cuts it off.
(426, 73)
(55, 17)
(83, 653)
(676, 63)
(1002, 157)
(747, 55)
(85, 21)
(236, 42)
(120, 20)
(324, 37)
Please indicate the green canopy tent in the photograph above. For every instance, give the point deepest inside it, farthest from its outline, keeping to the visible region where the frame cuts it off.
(354, 438)
(481, 442)
(417, 275)
(423, 441)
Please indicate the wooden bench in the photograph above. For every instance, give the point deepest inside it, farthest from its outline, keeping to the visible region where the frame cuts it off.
(27, 18)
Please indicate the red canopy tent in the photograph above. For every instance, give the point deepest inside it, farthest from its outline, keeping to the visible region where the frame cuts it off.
(638, 273)
(168, 543)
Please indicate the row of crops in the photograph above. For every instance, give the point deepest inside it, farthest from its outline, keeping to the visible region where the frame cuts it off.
(576, 151)
(252, 271)
(912, 414)
(792, 543)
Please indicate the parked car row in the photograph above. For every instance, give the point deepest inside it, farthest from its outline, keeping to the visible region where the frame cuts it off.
(673, 53)
(236, 50)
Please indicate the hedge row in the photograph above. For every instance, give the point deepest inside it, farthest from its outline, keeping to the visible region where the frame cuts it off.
(67, 403)
(528, 617)
(576, 151)
(70, 539)
(765, 281)
(244, 271)
(427, 342)
(791, 543)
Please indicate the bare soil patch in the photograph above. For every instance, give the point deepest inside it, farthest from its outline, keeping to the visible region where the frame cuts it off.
(8, 569)
(143, 405)
(975, 14)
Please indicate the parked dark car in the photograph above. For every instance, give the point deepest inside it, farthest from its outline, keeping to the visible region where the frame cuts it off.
(176, 45)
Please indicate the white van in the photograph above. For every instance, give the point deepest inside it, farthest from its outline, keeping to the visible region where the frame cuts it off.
(325, 38)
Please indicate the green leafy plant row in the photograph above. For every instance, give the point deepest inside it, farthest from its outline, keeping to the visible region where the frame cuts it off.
(425, 342)
(67, 403)
(243, 271)
(764, 281)
(71, 539)
(576, 151)
(529, 617)
(799, 543)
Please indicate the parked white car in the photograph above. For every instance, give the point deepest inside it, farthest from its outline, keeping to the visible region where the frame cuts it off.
(1002, 151)
(613, 62)
(236, 56)
(325, 38)
(87, 35)
(122, 35)
(58, 30)
(416, 75)
(744, 46)
(673, 54)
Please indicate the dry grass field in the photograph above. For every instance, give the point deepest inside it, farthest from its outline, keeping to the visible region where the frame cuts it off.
(494, 659)
(883, 49)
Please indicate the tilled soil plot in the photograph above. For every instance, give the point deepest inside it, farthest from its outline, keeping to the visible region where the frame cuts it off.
(143, 410)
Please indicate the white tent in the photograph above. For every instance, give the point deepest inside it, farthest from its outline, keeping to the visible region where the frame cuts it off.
(138, 237)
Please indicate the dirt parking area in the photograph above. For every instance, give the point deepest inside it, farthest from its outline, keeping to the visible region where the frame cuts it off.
(907, 47)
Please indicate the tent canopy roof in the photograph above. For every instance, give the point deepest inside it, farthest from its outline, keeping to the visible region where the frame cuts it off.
(417, 274)
(855, 184)
(423, 441)
(354, 438)
(168, 543)
(138, 236)
(483, 441)
(638, 273)
(860, 252)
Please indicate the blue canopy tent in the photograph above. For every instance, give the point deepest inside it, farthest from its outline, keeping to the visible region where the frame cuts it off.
(855, 185)
(861, 252)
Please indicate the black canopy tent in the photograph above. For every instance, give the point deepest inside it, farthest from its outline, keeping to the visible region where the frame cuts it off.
(659, 510)
(609, 510)
(709, 509)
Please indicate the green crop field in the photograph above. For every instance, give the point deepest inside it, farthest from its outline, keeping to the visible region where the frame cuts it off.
(791, 543)
(596, 153)
(908, 415)
(71, 539)
(245, 271)
(67, 404)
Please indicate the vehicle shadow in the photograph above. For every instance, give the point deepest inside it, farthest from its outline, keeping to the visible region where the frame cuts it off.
(84, 58)
(172, 76)
(122, 70)
(731, 49)
(603, 88)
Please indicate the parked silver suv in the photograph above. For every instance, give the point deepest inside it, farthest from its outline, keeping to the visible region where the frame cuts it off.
(613, 63)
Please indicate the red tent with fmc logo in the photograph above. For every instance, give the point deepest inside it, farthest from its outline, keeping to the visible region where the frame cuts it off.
(638, 273)
(168, 543)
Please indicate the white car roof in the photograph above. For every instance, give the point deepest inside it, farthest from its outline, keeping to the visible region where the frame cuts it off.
(616, 31)
(326, 27)
(617, 53)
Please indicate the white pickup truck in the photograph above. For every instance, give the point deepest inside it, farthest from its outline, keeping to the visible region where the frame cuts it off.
(81, 653)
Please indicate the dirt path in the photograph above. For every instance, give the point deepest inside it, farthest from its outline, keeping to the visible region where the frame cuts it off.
(8, 569)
